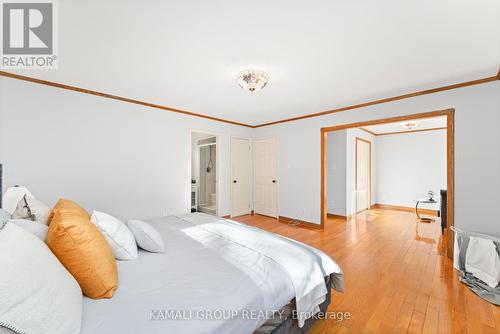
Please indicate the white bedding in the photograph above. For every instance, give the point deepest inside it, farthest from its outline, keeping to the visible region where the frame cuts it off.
(202, 269)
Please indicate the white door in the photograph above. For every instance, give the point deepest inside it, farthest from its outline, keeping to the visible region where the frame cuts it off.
(241, 166)
(265, 151)
(363, 174)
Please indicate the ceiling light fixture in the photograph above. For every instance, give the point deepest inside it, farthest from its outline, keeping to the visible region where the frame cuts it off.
(410, 125)
(252, 80)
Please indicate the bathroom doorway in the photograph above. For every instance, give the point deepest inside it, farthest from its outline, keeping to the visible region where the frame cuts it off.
(204, 173)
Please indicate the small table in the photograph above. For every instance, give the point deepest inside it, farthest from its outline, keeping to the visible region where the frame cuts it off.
(423, 219)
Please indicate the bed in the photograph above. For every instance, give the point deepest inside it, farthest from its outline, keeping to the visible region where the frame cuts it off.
(217, 276)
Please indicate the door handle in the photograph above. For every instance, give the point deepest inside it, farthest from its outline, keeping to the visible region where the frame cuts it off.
(234, 181)
(274, 181)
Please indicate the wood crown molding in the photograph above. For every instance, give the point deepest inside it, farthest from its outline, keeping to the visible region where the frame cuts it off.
(389, 99)
(401, 132)
(116, 97)
(443, 112)
(185, 112)
(368, 131)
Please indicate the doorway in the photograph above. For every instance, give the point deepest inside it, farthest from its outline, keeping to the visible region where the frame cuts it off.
(241, 176)
(363, 174)
(363, 196)
(204, 173)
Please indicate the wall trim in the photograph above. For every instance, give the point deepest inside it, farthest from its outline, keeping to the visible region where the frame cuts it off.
(263, 215)
(189, 113)
(302, 223)
(401, 132)
(116, 97)
(389, 99)
(428, 212)
(368, 131)
(334, 216)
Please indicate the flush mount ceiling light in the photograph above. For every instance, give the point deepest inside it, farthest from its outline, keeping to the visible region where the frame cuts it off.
(252, 80)
(410, 125)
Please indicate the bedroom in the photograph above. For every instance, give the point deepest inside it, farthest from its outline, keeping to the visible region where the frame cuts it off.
(110, 128)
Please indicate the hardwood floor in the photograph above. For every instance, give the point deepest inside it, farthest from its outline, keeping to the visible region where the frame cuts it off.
(398, 280)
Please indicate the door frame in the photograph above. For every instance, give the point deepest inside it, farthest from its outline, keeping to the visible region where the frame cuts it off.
(231, 173)
(450, 163)
(276, 140)
(369, 173)
(217, 163)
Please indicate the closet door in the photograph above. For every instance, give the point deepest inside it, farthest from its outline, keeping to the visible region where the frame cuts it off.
(266, 186)
(241, 186)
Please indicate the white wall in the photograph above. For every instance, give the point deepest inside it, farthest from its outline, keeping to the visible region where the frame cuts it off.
(336, 172)
(477, 177)
(409, 165)
(121, 158)
(341, 170)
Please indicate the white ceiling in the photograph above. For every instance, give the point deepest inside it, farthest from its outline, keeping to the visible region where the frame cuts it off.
(319, 54)
(422, 124)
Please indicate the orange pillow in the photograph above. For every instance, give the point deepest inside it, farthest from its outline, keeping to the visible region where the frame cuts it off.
(67, 208)
(83, 250)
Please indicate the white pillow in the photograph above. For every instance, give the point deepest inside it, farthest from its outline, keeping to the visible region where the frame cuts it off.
(147, 236)
(12, 196)
(119, 237)
(32, 209)
(35, 228)
(38, 294)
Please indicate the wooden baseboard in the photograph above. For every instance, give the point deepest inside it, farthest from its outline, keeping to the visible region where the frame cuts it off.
(301, 223)
(286, 220)
(229, 216)
(263, 215)
(428, 212)
(332, 215)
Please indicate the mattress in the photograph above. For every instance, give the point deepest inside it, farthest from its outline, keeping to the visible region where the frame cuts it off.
(194, 287)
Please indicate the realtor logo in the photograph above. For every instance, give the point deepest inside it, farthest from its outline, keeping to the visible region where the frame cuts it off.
(28, 35)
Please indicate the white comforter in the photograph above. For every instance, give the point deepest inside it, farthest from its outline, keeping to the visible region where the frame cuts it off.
(305, 266)
(211, 265)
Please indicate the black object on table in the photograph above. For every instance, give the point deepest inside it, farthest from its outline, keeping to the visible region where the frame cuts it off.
(442, 212)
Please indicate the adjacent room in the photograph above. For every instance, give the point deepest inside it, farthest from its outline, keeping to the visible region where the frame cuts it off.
(395, 166)
(249, 167)
(204, 173)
